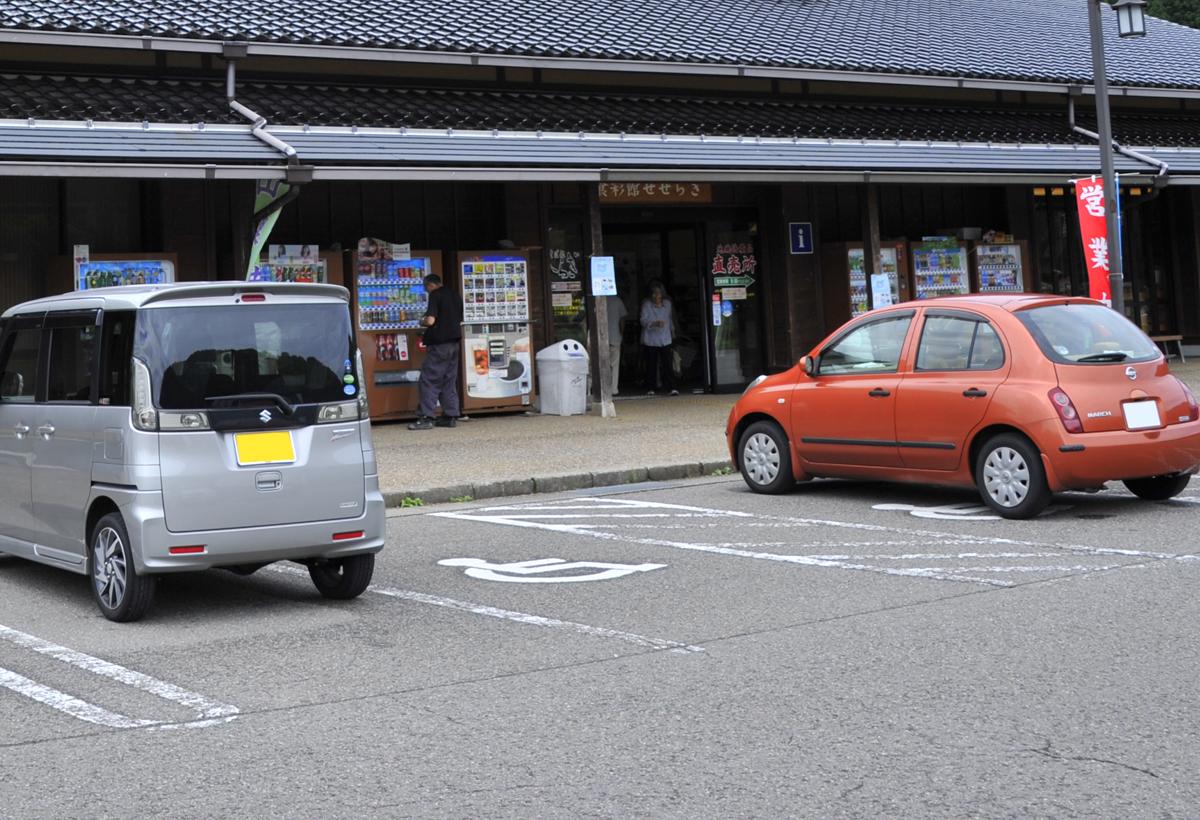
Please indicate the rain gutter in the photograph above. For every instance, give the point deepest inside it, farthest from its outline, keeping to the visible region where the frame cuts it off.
(1161, 179)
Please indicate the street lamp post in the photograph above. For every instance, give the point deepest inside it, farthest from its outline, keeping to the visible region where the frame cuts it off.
(1130, 23)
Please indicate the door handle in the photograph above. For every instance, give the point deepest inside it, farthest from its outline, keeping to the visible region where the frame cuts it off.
(21, 430)
(46, 431)
(974, 393)
(879, 393)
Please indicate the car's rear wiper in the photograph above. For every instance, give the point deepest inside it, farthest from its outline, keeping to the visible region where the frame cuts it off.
(235, 398)
(1114, 356)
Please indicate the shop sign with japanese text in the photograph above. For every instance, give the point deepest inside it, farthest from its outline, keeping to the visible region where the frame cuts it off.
(1089, 195)
(662, 193)
(734, 265)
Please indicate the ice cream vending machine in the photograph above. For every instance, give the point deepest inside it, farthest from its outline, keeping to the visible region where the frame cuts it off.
(497, 360)
(1002, 266)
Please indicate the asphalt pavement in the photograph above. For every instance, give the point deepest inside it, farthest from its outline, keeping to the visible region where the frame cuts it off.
(679, 649)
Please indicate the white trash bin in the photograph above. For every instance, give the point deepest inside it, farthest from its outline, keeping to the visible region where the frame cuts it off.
(563, 379)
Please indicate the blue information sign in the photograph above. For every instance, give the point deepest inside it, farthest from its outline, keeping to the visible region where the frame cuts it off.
(801, 235)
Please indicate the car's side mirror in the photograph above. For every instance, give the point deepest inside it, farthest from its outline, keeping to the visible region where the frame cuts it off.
(808, 365)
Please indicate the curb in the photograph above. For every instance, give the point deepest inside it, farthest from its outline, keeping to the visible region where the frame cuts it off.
(557, 483)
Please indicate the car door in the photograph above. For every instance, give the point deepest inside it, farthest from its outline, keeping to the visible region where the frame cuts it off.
(844, 413)
(960, 360)
(20, 354)
(64, 434)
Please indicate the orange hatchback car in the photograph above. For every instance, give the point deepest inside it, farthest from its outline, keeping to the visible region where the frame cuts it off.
(1019, 395)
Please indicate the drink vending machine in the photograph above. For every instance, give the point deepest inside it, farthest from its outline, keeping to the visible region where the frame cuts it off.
(390, 299)
(940, 267)
(847, 291)
(497, 360)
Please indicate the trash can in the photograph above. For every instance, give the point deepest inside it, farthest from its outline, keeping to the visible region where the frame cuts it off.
(563, 379)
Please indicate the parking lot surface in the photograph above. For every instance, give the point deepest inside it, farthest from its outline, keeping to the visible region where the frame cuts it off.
(650, 650)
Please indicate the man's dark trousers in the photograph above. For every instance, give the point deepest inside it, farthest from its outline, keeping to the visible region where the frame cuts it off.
(439, 379)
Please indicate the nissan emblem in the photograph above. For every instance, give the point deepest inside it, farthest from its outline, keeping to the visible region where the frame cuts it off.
(1131, 373)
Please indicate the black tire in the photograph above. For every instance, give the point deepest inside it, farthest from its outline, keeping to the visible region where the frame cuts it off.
(1010, 476)
(121, 593)
(342, 578)
(765, 458)
(1159, 487)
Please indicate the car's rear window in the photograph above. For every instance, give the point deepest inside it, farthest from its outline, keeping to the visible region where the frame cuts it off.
(302, 353)
(1087, 334)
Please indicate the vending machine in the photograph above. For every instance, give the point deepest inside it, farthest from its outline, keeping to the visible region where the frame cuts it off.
(847, 291)
(497, 348)
(1001, 267)
(113, 272)
(390, 300)
(298, 263)
(940, 267)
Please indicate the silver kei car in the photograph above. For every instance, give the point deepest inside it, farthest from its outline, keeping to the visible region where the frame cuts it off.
(171, 428)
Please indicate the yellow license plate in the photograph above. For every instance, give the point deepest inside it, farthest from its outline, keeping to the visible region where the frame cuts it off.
(273, 447)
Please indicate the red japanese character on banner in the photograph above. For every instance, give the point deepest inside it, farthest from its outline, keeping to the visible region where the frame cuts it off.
(1093, 230)
(749, 264)
(718, 266)
(734, 265)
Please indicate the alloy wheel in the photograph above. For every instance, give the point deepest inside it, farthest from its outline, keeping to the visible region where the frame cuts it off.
(109, 572)
(761, 458)
(1006, 476)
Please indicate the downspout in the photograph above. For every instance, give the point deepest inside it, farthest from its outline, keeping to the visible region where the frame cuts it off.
(1160, 179)
(296, 173)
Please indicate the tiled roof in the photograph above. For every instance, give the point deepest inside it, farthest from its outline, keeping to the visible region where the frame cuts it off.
(1039, 40)
(136, 100)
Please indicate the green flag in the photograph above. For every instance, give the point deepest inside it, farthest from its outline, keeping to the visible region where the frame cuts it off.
(270, 195)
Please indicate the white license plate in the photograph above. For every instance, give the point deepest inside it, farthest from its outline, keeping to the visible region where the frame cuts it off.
(1141, 415)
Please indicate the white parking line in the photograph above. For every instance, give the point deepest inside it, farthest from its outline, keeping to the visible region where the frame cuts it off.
(516, 617)
(604, 521)
(208, 712)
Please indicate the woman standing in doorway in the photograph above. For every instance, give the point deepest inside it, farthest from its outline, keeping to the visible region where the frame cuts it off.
(658, 325)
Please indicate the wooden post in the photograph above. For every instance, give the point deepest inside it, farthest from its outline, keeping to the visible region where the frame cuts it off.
(599, 336)
(871, 241)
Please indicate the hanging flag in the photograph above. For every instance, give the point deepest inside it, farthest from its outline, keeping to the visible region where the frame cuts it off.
(270, 195)
(1089, 195)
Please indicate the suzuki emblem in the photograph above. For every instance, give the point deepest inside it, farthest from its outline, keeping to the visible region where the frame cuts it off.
(1131, 373)
(265, 416)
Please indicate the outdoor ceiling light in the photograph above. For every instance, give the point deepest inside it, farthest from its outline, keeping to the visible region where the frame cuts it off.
(1131, 17)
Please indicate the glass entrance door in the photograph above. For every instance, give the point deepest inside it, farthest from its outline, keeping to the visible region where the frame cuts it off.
(645, 255)
(734, 309)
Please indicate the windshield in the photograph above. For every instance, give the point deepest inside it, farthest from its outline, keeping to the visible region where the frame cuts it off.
(1087, 334)
(300, 353)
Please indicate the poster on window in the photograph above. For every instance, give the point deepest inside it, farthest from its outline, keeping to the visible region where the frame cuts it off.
(1089, 195)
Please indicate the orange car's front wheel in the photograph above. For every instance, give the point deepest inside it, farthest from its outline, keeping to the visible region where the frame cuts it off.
(764, 458)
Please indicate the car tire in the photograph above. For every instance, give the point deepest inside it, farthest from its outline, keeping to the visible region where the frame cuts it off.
(342, 578)
(1159, 487)
(122, 594)
(765, 458)
(1010, 476)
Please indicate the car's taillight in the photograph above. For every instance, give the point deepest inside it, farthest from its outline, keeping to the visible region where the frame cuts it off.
(145, 417)
(1193, 407)
(1066, 411)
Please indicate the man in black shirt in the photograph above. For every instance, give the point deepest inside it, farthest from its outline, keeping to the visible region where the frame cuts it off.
(439, 373)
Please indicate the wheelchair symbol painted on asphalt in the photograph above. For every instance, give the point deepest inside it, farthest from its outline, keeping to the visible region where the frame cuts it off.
(545, 570)
(960, 512)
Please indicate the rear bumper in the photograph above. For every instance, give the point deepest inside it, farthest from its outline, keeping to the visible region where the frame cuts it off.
(1117, 455)
(152, 541)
